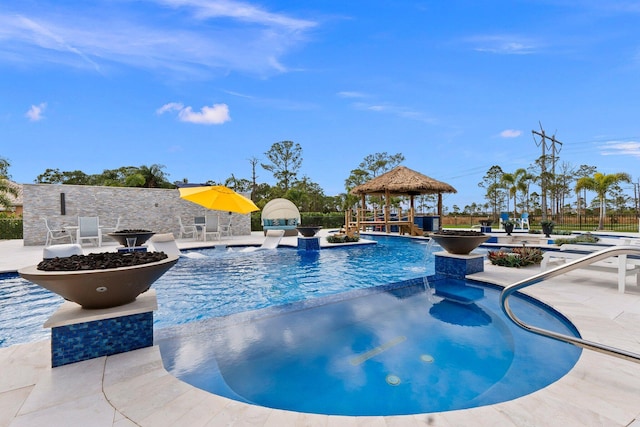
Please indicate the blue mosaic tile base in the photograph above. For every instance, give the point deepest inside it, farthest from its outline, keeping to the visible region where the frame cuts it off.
(82, 341)
(458, 268)
(309, 243)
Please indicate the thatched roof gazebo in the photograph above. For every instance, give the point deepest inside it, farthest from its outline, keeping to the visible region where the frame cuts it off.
(402, 181)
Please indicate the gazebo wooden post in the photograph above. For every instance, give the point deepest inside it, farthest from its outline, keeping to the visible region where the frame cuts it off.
(361, 212)
(387, 209)
(439, 211)
(411, 216)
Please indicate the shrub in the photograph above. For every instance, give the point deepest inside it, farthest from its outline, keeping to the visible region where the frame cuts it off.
(516, 257)
(342, 238)
(583, 238)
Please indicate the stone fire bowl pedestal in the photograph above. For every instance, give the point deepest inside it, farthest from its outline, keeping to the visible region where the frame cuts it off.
(100, 288)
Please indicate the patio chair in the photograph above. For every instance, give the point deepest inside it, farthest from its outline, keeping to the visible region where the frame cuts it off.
(522, 221)
(504, 216)
(55, 234)
(210, 227)
(106, 230)
(199, 223)
(224, 227)
(89, 229)
(187, 230)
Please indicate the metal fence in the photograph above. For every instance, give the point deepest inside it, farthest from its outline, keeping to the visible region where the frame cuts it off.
(589, 222)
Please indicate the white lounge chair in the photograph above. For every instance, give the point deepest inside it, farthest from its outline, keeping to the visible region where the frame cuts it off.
(89, 229)
(55, 234)
(167, 243)
(62, 251)
(271, 241)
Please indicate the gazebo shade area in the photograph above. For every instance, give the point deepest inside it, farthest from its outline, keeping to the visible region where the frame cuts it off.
(400, 181)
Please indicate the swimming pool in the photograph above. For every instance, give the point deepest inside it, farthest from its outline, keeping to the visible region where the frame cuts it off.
(228, 282)
(392, 350)
(258, 302)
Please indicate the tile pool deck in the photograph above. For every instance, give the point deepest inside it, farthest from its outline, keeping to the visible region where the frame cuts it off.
(133, 388)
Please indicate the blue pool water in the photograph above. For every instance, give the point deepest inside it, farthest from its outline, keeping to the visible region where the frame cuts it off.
(325, 331)
(390, 351)
(234, 281)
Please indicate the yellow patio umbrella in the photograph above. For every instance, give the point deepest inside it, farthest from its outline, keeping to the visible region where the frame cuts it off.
(218, 197)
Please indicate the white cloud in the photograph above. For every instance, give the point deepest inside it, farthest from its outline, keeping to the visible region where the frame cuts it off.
(217, 114)
(510, 133)
(35, 112)
(206, 9)
(172, 106)
(621, 148)
(197, 37)
(351, 94)
(395, 110)
(504, 44)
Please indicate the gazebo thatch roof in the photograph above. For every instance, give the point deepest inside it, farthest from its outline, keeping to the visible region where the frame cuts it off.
(402, 180)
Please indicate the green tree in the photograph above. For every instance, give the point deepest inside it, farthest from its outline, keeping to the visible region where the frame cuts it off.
(54, 176)
(601, 184)
(582, 172)
(308, 196)
(516, 182)
(285, 159)
(492, 182)
(6, 189)
(154, 176)
(372, 166)
(241, 185)
(379, 163)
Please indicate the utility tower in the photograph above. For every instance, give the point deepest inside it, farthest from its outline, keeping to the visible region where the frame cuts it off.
(555, 146)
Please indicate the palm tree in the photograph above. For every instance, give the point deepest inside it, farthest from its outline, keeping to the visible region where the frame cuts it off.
(515, 182)
(601, 184)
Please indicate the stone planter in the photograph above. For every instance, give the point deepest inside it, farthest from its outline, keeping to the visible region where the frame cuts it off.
(100, 288)
(459, 243)
(508, 228)
(309, 231)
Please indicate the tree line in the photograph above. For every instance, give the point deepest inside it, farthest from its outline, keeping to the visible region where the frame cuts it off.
(519, 191)
(283, 160)
(524, 189)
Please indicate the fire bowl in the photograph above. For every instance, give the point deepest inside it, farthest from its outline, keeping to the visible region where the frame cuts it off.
(309, 231)
(458, 244)
(100, 288)
(141, 236)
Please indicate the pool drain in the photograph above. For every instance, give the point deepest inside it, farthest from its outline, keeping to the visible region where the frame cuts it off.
(393, 379)
(427, 358)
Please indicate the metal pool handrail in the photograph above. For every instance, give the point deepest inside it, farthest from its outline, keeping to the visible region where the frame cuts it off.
(579, 263)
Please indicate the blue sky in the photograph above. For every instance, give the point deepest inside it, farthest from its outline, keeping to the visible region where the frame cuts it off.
(203, 86)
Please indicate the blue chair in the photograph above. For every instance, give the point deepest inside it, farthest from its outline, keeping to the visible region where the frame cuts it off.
(523, 220)
(504, 216)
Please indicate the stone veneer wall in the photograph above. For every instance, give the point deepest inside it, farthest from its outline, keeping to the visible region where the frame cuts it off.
(154, 209)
